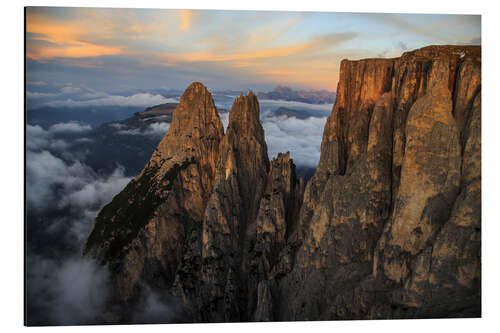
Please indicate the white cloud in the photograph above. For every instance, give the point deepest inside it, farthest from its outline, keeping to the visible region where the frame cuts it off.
(97, 191)
(37, 83)
(38, 138)
(71, 127)
(158, 129)
(44, 171)
(92, 95)
(134, 131)
(70, 90)
(73, 291)
(83, 140)
(154, 129)
(154, 309)
(139, 100)
(81, 288)
(36, 95)
(302, 137)
(224, 117)
(118, 126)
(274, 104)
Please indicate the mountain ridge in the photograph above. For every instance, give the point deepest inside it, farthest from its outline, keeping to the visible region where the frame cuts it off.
(286, 93)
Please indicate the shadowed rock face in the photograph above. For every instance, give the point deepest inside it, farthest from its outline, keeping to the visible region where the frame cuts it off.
(276, 221)
(229, 222)
(389, 226)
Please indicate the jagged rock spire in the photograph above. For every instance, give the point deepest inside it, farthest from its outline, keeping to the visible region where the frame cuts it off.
(231, 211)
(145, 225)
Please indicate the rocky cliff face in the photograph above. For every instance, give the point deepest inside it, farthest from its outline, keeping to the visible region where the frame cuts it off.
(141, 234)
(219, 277)
(388, 227)
(386, 231)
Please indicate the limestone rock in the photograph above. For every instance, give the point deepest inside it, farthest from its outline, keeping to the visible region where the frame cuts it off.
(394, 173)
(229, 220)
(275, 223)
(430, 177)
(141, 233)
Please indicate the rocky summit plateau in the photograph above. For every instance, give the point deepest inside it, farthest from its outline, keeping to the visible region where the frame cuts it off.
(388, 227)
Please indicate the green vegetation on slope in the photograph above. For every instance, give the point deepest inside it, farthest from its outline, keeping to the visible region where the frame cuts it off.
(119, 222)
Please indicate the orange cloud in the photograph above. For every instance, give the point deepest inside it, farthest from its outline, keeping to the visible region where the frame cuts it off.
(50, 31)
(268, 53)
(313, 46)
(77, 50)
(64, 39)
(186, 16)
(157, 38)
(303, 63)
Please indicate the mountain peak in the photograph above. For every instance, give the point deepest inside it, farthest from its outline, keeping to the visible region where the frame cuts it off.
(244, 117)
(175, 182)
(196, 114)
(196, 86)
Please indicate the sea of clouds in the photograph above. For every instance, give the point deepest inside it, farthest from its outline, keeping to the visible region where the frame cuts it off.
(153, 129)
(301, 137)
(65, 194)
(78, 97)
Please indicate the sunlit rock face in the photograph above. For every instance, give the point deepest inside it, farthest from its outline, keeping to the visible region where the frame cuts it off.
(391, 220)
(389, 226)
(142, 233)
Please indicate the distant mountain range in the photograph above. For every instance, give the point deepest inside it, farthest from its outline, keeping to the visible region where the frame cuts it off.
(305, 96)
(153, 114)
(281, 92)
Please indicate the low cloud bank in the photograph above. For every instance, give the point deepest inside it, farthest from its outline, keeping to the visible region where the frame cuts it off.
(71, 127)
(39, 138)
(302, 137)
(154, 129)
(50, 167)
(70, 96)
(97, 190)
(63, 197)
(323, 109)
(74, 291)
(154, 309)
(65, 194)
(139, 100)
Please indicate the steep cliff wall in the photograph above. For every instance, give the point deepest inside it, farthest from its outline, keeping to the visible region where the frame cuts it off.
(391, 220)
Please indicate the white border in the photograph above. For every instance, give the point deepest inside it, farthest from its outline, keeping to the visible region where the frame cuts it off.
(11, 131)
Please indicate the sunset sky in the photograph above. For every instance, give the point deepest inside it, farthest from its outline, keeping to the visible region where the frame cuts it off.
(116, 50)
